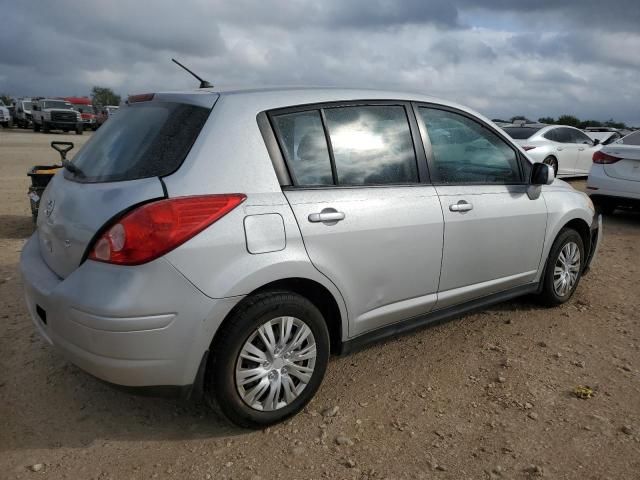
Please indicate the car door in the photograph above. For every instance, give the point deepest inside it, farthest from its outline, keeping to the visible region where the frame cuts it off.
(585, 148)
(494, 232)
(368, 220)
(566, 150)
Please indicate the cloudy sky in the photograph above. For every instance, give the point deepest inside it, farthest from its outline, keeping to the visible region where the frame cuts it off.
(501, 57)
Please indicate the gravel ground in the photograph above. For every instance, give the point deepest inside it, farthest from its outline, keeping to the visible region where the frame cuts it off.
(486, 396)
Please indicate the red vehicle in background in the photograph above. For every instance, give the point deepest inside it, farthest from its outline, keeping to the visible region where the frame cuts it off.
(87, 112)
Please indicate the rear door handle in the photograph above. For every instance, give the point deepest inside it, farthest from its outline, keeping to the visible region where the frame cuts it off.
(581, 148)
(461, 206)
(328, 216)
(560, 149)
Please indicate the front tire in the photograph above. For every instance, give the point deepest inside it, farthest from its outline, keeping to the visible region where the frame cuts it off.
(564, 268)
(268, 359)
(45, 127)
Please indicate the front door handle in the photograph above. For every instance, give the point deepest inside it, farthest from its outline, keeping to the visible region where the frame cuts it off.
(560, 149)
(461, 206)
(328, 216)
(581, 148)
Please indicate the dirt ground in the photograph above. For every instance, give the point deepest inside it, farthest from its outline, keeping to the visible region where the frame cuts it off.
(485, 396)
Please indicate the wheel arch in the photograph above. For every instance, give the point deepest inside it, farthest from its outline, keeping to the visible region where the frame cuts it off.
(312, 290)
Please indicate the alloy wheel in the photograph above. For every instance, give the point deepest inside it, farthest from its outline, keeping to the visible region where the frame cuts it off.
(566, 269)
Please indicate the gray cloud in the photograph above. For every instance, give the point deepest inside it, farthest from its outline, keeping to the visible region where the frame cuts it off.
(500, 57)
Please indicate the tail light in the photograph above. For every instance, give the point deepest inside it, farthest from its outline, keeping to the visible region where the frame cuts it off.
(528, 147)
(141, 97)
(156, 228)
(604, 158)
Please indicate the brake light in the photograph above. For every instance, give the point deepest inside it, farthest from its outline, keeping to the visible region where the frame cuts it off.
(604, 158)
(156, 228)
(528, 147)
(141, 97)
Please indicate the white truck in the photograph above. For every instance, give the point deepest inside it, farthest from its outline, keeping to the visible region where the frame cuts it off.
(54, 114)
(23, 113)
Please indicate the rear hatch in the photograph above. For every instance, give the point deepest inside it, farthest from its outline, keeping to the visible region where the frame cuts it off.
(629, 167)
(120, 167)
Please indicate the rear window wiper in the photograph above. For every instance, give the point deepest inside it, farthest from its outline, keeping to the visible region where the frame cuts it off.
(73, 168)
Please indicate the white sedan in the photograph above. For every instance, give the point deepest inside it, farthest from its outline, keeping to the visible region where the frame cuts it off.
(568, 150)
(614, 180)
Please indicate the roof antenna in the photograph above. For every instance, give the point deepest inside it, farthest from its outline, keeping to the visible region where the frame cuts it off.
(203, 83)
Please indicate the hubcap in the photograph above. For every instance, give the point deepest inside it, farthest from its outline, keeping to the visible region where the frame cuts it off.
(276, 363)
(565, 272)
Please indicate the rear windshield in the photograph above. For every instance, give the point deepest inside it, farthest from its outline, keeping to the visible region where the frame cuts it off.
(144, 140)
(521, 133)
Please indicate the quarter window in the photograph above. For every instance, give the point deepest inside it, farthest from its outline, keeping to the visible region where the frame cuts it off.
(465, 152)
(305, 147)
(372, 145)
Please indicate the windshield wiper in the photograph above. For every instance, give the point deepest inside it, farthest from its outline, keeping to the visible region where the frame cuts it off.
(73, 168)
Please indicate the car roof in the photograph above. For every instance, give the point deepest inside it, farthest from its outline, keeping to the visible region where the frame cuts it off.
(274, 97)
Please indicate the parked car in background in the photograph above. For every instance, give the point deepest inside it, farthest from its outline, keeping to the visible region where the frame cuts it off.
(568, 150)
(631, 139)
(23, 112)
(87, 112)
(154, 265)
(5, 115)
(104, 113)
(53, 114)
(604, 135)
(614, 180)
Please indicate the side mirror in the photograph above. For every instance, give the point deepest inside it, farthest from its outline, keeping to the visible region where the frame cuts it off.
(596, 142)
(542, 174)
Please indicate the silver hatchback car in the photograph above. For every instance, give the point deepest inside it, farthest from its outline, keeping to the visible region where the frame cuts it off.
(226, 242)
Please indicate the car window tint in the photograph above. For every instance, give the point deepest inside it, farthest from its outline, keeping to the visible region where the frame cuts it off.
(305, 147)
(521, 133)
(466, 152)
(631, 139)
(552, 135)
(371, 145)
(579, 137)
(148, 139)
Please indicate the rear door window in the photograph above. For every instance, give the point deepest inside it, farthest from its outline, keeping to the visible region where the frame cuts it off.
(372, 145)
(144, 140)
(366, 145)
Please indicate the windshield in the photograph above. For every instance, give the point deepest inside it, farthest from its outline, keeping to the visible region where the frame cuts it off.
(149, 139)
(2, 104)
(57, 104)
(26, 105)
(521, 133)
(631, 139)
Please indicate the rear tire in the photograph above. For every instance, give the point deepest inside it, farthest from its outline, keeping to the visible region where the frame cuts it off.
(244, 331)
(553, 163)
(568, 246)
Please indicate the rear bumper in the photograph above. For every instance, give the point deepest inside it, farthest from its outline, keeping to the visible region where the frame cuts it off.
(132, 326)
(600, 184)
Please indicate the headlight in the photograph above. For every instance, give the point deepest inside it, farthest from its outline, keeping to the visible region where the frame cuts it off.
(79, 117)
(46, 115)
